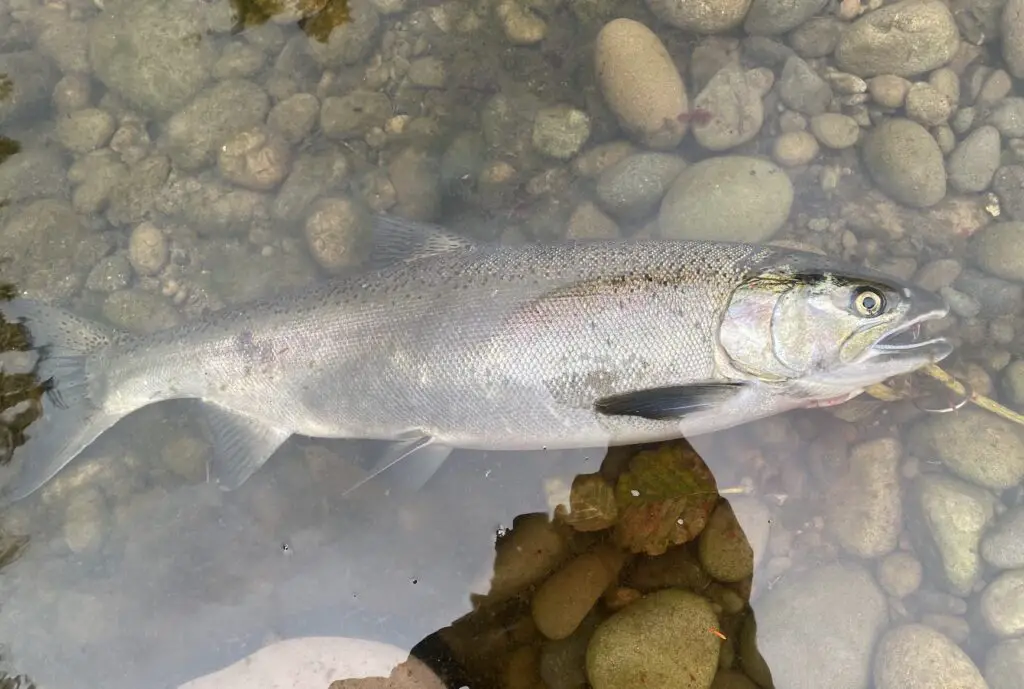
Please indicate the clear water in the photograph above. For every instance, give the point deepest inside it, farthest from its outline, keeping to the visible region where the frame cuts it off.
(130, 570)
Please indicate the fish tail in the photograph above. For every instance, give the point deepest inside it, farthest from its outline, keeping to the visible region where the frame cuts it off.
(71, 416)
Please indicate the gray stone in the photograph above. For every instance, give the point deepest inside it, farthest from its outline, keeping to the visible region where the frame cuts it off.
(905, 38)
(196, 133)
(295, 116)
(821, 623)
(734, 96)
(835, 130)
(864, 507)
(312, 175)
(773, 17)
(1008, 184)
(817, 37)
(560, 131)
(139, 312)
(1008, 117)
(899, 574)
(1004, 665)
(349, 41)
(918, 657)
(632, 188)
(997, 250)
(85, 130)
(997, 297)
(974, 161)
(110, 274)
(701, 16)
(1002, 604)
(26, 80)
(906, 163)
(727, 198)
(948, 518)
(802, 89)
(353, 114)
(32, 173)
(148, 53)
(41, 240)
(978, 447)
(1013, 36)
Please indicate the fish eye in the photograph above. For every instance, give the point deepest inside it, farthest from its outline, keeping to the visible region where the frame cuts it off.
(868, 302)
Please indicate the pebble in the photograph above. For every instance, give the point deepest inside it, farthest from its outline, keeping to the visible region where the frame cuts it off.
(238, 61)
(529, 552)
(337, 234)
(1004, 664)
(563, 663)
(733, 96)
(33, 173)
(560, 131)
(817, 37)
(864, 505)
(71, 93)
(905, 38)
(701, 16)
(997, 297)
(926, 105)
(774, 17)
(956, 628)
(196, 132)
(793, 149)
(835, 130)
(1013, 36)
(974, 161)
(996, 87)
(975, 446)
(761, 50)
(295, 116)
(588, 222)
(350, 41)
(1002, 604)
(915, 656)
(1003, 546)
(802, 89)
(996, 250)
(963, 305)
(900, 574)
(641, 84)
(257, 158)
(596, 160)
(906, 162)
(1008, 117)
(950, 519)
(522, 26)
(659, 642)
(312, 174)
(428, 72)
(727, 198)
(42, 240)
(734, 540)
(110, 274)
(732, 679)
(1008, 185)
(353, 114)
(888, 90)
(562, 602)
(632, 188)
(85, 130)
(415, 174)
(150, 56)
(820, 623)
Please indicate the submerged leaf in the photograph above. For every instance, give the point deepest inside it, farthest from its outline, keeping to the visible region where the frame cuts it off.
(664, 499)
(592, 505)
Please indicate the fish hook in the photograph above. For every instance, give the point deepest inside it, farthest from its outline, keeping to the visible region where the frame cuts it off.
(954, 405)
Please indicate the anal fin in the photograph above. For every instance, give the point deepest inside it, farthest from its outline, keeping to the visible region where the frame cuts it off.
(241, 444)
(668, 403)
(423, 457)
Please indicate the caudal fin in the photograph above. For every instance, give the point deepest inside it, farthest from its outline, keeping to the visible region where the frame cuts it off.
(71, 416)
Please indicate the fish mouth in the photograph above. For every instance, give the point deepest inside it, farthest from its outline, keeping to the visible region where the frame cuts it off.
(905, 342)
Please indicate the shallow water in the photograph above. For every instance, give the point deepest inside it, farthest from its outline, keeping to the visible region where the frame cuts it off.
(159, 160)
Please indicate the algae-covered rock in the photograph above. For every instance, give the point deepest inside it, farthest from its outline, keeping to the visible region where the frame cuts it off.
(665, 498)
(663, 641)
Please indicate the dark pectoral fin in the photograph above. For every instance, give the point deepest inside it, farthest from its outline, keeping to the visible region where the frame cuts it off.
(241, 445)
(673, 402)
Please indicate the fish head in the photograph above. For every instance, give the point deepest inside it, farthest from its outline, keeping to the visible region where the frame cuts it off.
(822, 330)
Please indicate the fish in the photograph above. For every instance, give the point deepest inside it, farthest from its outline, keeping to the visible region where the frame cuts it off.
(442, 342)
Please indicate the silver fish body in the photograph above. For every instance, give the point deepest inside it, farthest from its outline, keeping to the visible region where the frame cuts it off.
(584, 344)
